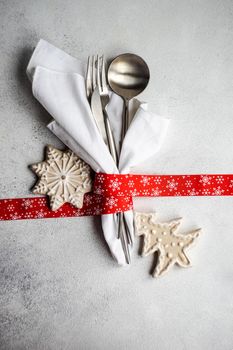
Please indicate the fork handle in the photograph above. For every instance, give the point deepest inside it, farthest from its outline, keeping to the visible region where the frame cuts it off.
(110, 138)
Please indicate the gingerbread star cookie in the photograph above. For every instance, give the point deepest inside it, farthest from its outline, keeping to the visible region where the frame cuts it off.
(163, 237)
(64, 177)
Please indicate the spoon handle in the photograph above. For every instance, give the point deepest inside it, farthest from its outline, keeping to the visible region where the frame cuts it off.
(125, 119)
(124, 232)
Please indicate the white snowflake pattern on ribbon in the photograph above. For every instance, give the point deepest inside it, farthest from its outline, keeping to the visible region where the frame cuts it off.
(188, 183)
(156, 192)
(205, 180)
(131, 183)
(157, 180)
(219, 179)
(27, 203)
(192, 192)
(111, 202)
(115, 184)
(99, 190)
(218, 191)
(145, 180)
(87, 200)
(11, 207)
(172, 185)
(206, 192)
(39, 214)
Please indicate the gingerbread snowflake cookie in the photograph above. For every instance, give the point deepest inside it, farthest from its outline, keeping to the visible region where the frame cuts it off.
(163, 238)
(64, 177)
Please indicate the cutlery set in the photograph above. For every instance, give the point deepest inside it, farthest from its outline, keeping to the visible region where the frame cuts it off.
(128, 75)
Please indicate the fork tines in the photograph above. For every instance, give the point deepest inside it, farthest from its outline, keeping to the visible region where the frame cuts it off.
(101, 75)
(96, 74)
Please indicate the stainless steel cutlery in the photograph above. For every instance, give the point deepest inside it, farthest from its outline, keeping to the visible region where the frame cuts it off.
(97, 95)
(128, 75)
(104, 97)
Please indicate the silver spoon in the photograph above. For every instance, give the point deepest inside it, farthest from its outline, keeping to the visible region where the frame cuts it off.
(128, 76)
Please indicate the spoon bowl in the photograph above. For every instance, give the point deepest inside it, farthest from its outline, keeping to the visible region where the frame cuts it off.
(128, 76)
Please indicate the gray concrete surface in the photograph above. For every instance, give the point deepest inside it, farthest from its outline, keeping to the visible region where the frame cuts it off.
(59, 287)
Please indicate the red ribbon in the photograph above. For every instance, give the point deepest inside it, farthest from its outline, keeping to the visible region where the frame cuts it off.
(114, 193)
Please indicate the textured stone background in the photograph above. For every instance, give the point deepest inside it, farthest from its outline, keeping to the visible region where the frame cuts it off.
(59, 287)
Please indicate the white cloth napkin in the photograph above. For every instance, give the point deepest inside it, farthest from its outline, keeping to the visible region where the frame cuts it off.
(58, 83)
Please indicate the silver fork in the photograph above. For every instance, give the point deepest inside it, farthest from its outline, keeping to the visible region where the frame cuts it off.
(123, 231)
(103, 91)
(93, 97)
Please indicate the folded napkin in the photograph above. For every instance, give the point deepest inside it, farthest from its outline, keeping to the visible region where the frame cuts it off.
(58, 83)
